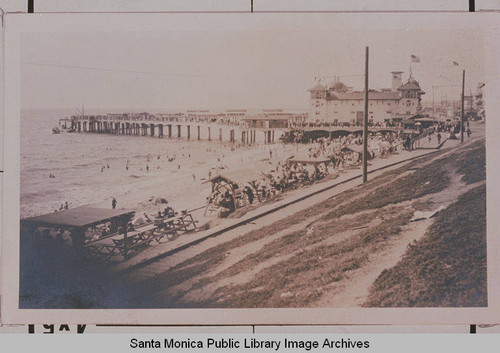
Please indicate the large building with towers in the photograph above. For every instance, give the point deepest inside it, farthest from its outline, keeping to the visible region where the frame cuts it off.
(339, 104)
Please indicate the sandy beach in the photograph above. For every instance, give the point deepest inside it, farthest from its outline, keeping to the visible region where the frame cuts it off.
(183, 180)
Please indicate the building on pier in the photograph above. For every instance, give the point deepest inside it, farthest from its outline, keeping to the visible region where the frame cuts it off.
(264, 121)
(274, 119)
(339, 104)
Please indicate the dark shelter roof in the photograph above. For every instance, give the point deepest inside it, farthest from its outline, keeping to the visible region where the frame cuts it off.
(78, 217)
(354, 148)
(307, 160)
(238, 177)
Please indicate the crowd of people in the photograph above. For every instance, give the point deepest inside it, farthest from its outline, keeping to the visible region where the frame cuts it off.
(326, 156)
(324, 123)
(341, 149)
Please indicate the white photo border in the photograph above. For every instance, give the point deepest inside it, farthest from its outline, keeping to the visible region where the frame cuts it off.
(19, 23)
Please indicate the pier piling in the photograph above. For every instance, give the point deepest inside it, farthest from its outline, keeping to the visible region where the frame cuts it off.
(155, 127)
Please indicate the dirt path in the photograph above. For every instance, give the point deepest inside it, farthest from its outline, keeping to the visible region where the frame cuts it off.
(354, 291)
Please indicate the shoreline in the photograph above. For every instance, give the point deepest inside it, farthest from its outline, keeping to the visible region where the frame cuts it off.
(182, 181)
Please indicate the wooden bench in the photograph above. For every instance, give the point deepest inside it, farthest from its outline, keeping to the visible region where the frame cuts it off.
(142, 236)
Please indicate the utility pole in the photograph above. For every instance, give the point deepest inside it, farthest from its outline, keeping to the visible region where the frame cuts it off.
(365, 124)
(433, 110)
(462, 117)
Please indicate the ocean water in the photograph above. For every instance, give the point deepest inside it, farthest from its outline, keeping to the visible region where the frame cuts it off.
(76, 160)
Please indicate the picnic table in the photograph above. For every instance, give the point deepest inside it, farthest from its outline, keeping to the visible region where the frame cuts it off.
(126, 244)
(83, 222)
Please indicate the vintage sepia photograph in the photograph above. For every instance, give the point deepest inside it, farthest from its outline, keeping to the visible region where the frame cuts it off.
(278, 161)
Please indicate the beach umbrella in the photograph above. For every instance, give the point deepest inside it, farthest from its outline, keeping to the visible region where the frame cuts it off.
(137, 220)
(160, 200)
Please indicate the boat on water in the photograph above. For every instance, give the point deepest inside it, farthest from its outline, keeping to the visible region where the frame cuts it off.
(65, 125)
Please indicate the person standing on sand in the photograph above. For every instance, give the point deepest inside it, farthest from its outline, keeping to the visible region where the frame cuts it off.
(113, 203)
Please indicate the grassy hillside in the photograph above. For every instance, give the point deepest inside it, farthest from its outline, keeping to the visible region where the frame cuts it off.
(304, 264)
(445, 268)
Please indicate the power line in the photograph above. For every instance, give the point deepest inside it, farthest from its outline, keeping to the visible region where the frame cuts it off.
(338, 76)
(122, 71)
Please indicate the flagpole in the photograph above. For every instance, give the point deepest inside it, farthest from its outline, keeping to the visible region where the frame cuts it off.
(462, 118)
(433, 110)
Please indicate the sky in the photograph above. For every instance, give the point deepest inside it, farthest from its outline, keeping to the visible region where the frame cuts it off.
(236, 67)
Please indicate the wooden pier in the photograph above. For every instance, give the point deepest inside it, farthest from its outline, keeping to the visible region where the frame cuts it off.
(151, 126)
(181, 127)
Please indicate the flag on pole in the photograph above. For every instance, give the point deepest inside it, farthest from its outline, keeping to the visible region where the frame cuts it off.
(415, 59)
(455, 63)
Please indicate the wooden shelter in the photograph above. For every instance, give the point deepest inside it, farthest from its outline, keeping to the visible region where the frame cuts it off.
(315, 162)
(79, 222)
(123, 238)
(80, 217)
(306, 160)
(231, 183)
